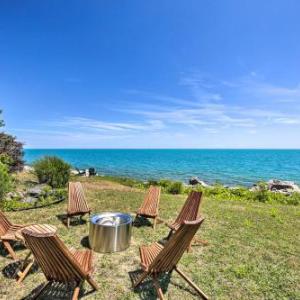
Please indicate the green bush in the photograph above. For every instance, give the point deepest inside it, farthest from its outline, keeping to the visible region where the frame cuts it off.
(175, 187)
(53, 171)
(164, 183)
(5, 181)
(172, 187)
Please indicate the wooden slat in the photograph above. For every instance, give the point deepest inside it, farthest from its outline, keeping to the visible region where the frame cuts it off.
(163, 259)
(189, 211)
(157, 259)
(57, 262)
(5, 224)
(77, 204)
(7, 233)
(149, 207)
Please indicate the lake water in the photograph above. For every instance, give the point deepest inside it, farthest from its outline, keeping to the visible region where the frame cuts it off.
(230, 167)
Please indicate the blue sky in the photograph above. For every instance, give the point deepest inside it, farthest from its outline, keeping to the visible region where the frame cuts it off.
(151, 74)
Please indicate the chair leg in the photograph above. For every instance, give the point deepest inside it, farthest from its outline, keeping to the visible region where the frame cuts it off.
(192, 284)
(10, 250)
(68, 222)
(158, 288)
(140, 280)
(76, 292)
(154, 223)
(92, 283)
(23, 274)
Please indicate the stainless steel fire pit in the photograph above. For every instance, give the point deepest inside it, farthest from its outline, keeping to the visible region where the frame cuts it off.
(110, 232)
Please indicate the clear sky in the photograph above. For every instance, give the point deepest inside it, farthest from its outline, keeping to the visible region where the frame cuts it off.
(151, 74)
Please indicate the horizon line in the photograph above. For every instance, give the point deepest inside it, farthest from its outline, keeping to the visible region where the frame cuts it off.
(204, 148)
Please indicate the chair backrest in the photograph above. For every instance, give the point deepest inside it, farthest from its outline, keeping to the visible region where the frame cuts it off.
(151, 201)
(4, 223)
(51, 254)
(76, 201)
(190, 209)
(173, 250)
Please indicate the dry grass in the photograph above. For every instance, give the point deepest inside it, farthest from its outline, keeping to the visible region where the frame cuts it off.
(252, 252)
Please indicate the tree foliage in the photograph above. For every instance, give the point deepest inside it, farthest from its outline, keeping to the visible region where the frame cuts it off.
(11, 151)
(5, 180)
(1, 121)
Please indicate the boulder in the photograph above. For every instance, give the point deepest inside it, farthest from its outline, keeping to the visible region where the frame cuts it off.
(28, 169)
(196, 180)
(14, 195)
(283, 186)
(37, 190)
(74, 172)
(29, 200)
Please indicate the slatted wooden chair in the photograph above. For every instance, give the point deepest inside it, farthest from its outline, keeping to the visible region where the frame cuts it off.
(149, 207)
(189, 212)
(157, 259)
(58, 263)
(77, 205)
(7, 234)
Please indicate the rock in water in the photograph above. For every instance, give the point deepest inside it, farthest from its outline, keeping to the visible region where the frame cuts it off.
(196, 180)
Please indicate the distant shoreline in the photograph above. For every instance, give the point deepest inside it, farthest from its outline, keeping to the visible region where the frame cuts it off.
(277, 149)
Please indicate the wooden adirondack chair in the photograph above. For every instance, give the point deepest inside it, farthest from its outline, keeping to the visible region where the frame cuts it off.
(7, 234)
(157, 259)
(58, 263)
(77, 205)
(149, 207)
(189, 212)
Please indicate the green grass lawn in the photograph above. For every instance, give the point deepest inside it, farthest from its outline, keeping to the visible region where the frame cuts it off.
(252, 251)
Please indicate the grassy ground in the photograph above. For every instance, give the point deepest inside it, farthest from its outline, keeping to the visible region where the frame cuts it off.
(252, 252)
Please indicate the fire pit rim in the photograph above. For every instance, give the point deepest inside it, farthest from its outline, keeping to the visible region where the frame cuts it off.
(125, 216)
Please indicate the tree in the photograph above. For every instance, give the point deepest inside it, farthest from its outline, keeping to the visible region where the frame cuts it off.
(11, 151)
(1, 121)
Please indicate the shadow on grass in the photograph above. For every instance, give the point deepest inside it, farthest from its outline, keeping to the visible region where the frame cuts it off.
(56, 291)
(85, 242)
(146, 289)
(74, 221)
(187, 289)
(141, 221)
(11, 270)
(15, 245)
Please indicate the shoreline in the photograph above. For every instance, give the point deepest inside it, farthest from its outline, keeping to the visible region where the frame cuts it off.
(273, 185)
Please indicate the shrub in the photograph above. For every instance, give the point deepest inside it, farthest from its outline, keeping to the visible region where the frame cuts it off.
(5, 181)
(294, 199)
(164, 183)
(152, 182)
(53, 171)
(175, 187)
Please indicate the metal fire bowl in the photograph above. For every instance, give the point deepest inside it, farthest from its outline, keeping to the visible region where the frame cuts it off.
(110, 232)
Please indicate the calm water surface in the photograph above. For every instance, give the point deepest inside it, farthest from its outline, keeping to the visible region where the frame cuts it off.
(225, 166)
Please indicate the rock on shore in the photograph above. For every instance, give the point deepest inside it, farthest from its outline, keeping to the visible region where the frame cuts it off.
(279, 186)
(196, 180)
(283, 186)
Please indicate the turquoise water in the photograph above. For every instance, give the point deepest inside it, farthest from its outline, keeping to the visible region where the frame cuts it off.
(225, 166)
